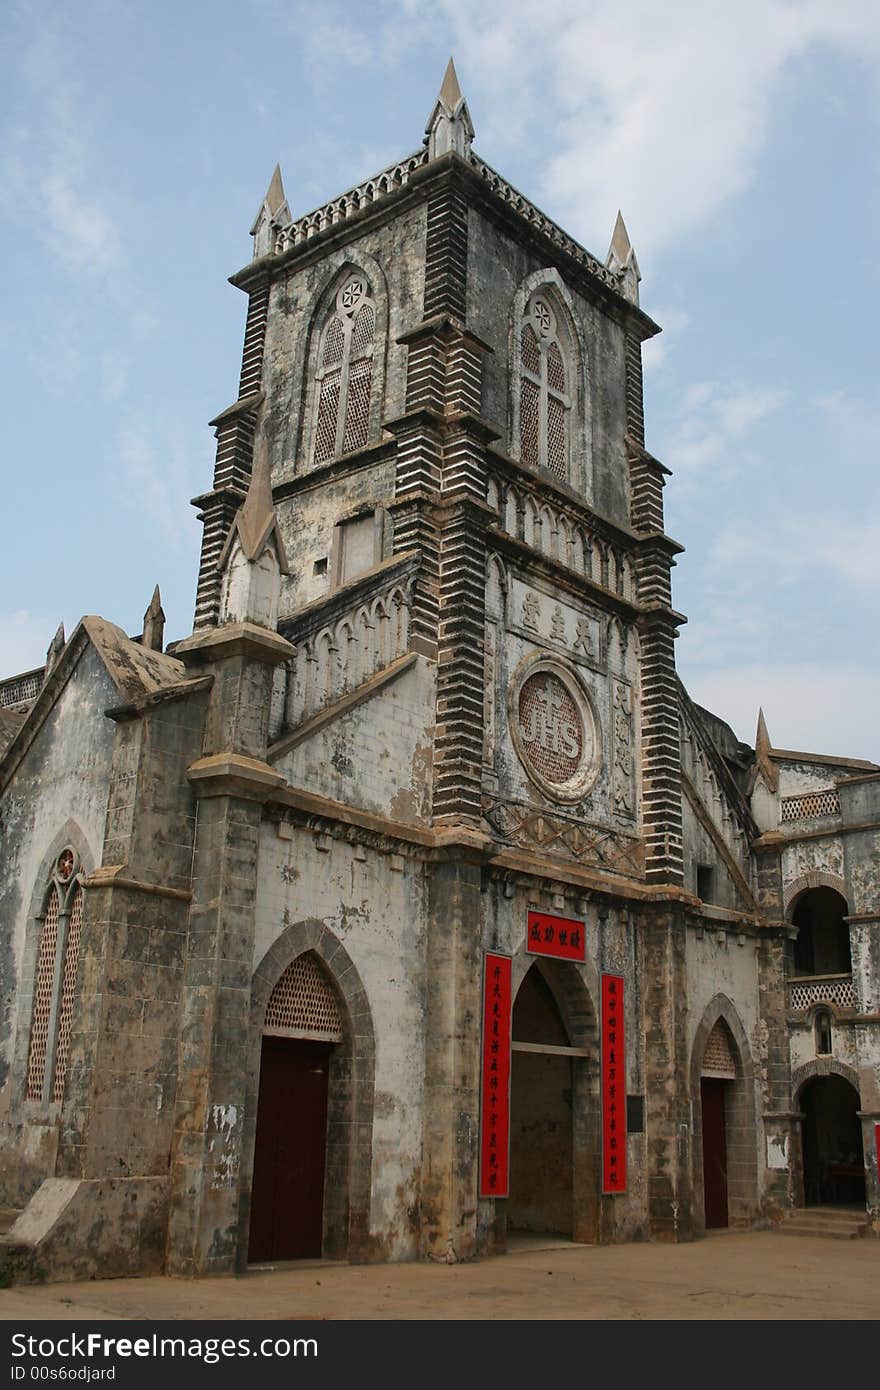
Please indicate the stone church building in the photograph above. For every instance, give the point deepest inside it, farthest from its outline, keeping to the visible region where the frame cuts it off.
(410, 902)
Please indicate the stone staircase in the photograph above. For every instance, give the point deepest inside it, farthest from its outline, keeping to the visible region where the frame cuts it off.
(833, 1223)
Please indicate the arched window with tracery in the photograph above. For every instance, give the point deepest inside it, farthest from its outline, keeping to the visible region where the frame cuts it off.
(345, 372)
(545, 399)
(55, 981)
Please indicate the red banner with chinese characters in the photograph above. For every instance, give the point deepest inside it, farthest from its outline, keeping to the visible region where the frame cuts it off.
(555, 936)
(613, 1086)
(495, 1127)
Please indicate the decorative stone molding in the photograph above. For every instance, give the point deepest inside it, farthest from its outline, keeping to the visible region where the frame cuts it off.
(543, 831)
(813, 878)
(822, 1066)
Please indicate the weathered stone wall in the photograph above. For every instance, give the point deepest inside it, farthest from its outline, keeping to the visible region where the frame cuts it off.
(308, 522)
(378, 755)
(498, 267)
(58, 796)
(374, 903)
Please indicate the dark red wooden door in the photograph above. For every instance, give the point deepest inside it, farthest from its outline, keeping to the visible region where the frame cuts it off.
(287, 1203)
(714, 1151)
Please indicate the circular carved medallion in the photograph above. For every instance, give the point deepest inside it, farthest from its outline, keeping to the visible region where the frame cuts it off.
(554, 730)
(64, 867)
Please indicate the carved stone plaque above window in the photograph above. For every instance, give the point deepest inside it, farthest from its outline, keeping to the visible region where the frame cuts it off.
(554, 729)
(548, 621)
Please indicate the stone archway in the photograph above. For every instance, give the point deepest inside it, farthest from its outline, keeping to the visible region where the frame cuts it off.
(555, 1101)
(827, 1094)
(346, 1207)
(734, 1110)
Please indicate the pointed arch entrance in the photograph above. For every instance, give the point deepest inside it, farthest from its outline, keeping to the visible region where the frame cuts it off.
(302, 1025)
(725, 1126)
(554, 1129)
(308, 1128)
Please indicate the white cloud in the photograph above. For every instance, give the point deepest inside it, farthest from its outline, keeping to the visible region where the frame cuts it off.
(810, 706)
(46, 167)
(714, 422)
(662, 110)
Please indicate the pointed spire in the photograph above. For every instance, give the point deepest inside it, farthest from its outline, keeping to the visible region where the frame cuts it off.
(621, 260)
(763, 753)
(449, 125)
(274, 209)
(450, 92)
(56, 647)
(256, 517)
(154, 624)
(253, 557)
(275, 191)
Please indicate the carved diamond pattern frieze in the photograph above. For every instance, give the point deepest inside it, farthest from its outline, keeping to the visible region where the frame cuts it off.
(535, 829)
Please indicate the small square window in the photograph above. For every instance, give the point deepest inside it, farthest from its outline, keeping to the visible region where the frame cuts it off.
(705, 882)
(320, 566)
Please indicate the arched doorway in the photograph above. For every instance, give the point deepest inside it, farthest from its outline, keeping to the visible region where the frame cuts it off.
(553, 1146)
(834, 1165)
(717, 1077)
(822, 943)
(724, 1101)
(301, 1029)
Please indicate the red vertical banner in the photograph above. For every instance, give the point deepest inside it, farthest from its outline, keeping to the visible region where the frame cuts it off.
(613, 1086)
(495, 1116)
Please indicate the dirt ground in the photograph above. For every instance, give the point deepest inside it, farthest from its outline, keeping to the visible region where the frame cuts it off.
(730, 1275)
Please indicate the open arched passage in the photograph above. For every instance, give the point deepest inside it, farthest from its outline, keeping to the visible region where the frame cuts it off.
(822, 943)
(554, 1173)
(834, 1165)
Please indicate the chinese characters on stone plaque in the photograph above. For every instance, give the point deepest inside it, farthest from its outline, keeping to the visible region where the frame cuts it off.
(555, 936)
(495, 1116)
(613, 1086)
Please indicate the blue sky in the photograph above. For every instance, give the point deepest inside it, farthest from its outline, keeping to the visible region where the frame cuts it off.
(741, 143)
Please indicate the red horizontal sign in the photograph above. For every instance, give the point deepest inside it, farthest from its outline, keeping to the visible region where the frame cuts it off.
(495, 1117)
(556, 936)
(613, 1086)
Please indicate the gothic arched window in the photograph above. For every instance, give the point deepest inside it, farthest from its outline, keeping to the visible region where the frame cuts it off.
(55, 981)
(345, 372)
(544, 390)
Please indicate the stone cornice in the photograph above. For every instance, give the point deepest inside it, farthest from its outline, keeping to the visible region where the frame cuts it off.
(115, 876)
(233, 774)
(341, 467)
(233, 639)
(778, 839)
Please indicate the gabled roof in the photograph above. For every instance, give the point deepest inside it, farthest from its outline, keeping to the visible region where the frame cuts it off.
(138, 674)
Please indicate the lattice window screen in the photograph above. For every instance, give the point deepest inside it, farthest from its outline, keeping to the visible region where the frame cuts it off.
(810, 804)
(840, 991)
(43, 985)
(303, 1003)
(544, 403)
(345, 373)
(68, 988)
(718, 1058)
